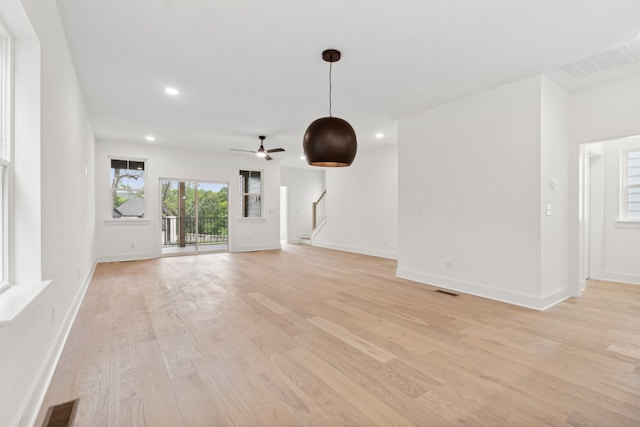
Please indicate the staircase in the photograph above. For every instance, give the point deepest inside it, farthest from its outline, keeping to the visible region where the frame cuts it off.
(319, 219)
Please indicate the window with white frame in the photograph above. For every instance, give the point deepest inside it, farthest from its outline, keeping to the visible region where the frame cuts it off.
(127, 188)
(630, 197)
(250, 188)
(6, 115)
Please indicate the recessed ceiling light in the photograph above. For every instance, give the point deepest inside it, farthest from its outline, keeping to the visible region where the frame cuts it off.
(150, 138)
(379, 135)
(172, 91)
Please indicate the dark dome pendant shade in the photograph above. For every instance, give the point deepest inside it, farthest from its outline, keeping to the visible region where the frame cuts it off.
(330, 141)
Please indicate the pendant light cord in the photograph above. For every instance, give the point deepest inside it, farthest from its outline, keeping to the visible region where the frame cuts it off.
(330, 67)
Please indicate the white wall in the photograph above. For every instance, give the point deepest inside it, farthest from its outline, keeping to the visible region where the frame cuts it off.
(304, 186)
(114, 237)
(554, 155)
(606, 112)
(470, 196)
(621, 241)
(362, 205)
(53, 208)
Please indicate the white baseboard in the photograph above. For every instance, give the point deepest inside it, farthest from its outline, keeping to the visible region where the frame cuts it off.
(363, 251)
(554, 298)
(255, 248)
(621, 277)
(40, 386)
(523, 300)
(125, 257)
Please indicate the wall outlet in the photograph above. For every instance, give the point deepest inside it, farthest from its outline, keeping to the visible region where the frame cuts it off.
(448, 264)
(132, 245)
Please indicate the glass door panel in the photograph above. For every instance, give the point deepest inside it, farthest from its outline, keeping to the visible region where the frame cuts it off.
(190, 197)
(194, 216)
(212, 216)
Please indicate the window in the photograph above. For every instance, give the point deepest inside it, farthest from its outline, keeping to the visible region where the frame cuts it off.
(250, 186)
(630, 197)
(127, 188)
(6, 104)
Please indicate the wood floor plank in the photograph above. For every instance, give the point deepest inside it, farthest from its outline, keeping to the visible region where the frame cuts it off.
(160, 407)
(125, 401)
(327, 407)
(630, 350)
(377, 411)
(352, 339)
(315, 337)
(267, 302)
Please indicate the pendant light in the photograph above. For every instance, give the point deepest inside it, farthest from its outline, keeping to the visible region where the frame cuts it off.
(330, 141)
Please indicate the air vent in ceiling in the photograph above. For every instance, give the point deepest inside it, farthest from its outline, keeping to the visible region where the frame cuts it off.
(618, 56)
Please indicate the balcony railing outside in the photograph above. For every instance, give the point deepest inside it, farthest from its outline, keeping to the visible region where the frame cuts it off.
(209, 231)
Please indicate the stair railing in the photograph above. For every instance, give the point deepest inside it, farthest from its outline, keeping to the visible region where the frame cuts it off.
(319, 212)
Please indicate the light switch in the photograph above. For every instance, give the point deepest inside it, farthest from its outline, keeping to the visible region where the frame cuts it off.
(549, 209)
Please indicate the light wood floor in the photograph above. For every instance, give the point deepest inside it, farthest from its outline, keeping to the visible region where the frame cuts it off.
(308, 336)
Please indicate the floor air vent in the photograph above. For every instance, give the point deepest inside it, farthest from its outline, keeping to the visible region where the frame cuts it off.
(447, 293)
(61, 415)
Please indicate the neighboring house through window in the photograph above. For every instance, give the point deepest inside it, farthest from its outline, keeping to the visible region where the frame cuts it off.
(127, 188)
(630, 197)
(250, 186)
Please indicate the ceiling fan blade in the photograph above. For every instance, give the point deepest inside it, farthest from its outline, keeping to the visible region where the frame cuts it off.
(237, 149)
(268, 157)
(275, 150)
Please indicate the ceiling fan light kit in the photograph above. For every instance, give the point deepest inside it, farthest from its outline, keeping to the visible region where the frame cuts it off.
(330, 141)
(261, 152)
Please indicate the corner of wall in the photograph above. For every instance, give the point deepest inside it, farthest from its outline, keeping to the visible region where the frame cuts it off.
(523, 300)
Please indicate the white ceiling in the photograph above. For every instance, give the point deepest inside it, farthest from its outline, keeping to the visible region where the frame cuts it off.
(251, 67)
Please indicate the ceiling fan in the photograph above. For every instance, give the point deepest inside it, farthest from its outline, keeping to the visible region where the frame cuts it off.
(261, 152)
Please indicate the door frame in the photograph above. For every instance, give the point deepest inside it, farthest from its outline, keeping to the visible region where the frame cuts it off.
(196, 249)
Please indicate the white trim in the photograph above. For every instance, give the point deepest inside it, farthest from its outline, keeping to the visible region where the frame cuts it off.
(38, 390)
(17, 299)
(252, 219)
(126, 257)
(255, 248)
(628, 224)
(353, 249)
(7, 117)
(624, 184)
(129, 159)
(613, 276)
(127, 221)
(533, 302)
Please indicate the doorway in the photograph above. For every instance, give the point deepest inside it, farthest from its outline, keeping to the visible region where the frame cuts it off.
(194, 216)
(284, 218)
(607, 239)
(593, 185)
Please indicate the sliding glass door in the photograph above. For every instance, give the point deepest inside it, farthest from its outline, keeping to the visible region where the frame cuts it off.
(194, 216)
